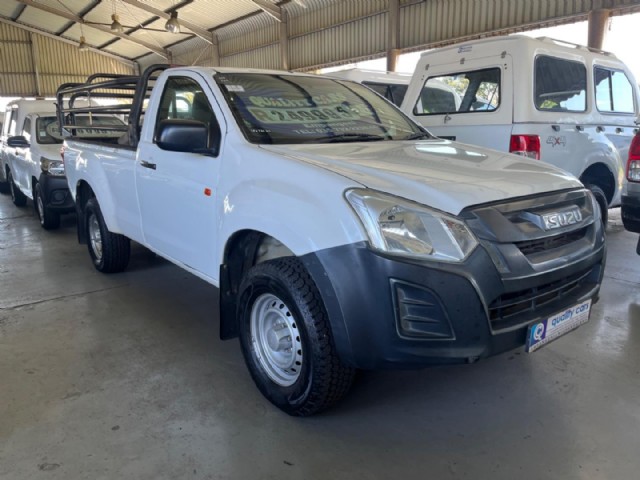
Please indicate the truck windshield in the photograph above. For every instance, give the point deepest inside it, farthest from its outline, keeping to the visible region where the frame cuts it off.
(279, 109)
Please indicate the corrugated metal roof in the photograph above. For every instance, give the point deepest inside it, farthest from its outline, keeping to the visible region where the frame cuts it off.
(319, 32)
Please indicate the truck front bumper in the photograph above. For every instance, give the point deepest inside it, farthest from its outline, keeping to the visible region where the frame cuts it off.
(631, 212)
(397, 312)
(55, 193)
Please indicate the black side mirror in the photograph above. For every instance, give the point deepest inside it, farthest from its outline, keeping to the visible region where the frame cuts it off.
(179, 135)
(18, 142)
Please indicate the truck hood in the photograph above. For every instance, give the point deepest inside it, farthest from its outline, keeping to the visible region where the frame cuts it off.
(439, 173)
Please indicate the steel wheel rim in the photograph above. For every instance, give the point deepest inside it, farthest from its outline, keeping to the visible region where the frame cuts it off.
(276, 339)
(40, 206)
(95, 237)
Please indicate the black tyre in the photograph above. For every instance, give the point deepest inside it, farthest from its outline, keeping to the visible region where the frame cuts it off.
(286, 339)
(49, 219)
(601, 198)
(110, 252)
(4, 186)
(18, 198)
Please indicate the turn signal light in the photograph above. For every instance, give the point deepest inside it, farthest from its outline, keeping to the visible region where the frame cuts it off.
(633, 164)
(525, 145)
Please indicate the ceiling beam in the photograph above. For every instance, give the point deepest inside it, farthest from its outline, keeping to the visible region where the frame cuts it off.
(269, 8)
(70, 16)
(8, 21)
(195, 29)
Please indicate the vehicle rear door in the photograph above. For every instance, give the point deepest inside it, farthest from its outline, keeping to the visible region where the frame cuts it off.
(470, 102)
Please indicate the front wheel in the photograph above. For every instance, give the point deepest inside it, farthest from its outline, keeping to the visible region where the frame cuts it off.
(286, 339)
(18, 198)
(601, 198)
(109, 251)
(49, 220)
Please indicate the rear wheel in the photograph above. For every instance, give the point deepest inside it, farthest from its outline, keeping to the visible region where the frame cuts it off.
(109, 251)
(49, 219)
(18, 198)
(286, 339)
(601, 198)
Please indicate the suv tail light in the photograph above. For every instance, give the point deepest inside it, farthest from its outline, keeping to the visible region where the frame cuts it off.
(525, 145)
(633, 165)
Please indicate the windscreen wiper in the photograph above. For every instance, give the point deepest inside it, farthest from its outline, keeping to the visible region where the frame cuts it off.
(419, 135)
(349, 137)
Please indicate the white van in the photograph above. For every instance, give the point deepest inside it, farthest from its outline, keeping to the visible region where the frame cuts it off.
(565, 104)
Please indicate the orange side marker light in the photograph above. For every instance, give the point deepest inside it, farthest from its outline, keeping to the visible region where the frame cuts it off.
(207, 192)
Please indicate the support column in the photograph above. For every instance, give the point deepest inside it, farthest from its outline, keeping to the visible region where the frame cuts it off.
(598, 22)
(393, 38)
(284, 39)
(215, 51)
(35, 56)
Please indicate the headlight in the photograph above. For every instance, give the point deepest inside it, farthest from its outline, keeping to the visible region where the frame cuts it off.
(401, 227)
(52, 167)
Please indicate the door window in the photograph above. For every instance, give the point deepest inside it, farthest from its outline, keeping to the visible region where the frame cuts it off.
(613, 91)
(11, 124)
(463, 92)
(26, 129)
(560, 85)
(183, 98)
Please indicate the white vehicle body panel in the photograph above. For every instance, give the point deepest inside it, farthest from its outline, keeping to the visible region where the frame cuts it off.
(573, 141)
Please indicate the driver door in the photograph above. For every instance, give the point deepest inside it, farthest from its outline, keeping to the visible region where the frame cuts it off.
(177, 190)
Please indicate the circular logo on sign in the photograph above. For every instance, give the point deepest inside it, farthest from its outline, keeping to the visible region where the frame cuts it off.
(538, 332)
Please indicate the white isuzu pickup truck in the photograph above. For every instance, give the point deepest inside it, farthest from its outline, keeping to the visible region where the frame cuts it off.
(341, 234)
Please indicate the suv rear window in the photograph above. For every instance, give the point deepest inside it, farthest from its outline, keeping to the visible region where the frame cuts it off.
(613, 91)
(463, 92)
(560, 85)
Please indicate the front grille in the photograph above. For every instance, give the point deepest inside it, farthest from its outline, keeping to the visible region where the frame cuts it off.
(517, 308)
(530, 247)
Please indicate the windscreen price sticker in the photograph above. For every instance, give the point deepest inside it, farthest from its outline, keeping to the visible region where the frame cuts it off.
(329, 108)
(326, 114)
(546, 331)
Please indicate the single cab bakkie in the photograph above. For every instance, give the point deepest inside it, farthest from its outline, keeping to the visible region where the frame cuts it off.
(341, 234)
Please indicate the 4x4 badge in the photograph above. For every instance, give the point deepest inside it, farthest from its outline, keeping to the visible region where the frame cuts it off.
(553, 141)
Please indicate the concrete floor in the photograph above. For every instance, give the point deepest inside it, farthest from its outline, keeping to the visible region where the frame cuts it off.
(123, 376)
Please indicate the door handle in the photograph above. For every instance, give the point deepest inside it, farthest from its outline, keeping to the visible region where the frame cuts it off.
(150, 165)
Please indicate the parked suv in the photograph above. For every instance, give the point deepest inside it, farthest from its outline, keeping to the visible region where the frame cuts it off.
(631, 195)
(564, 104)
